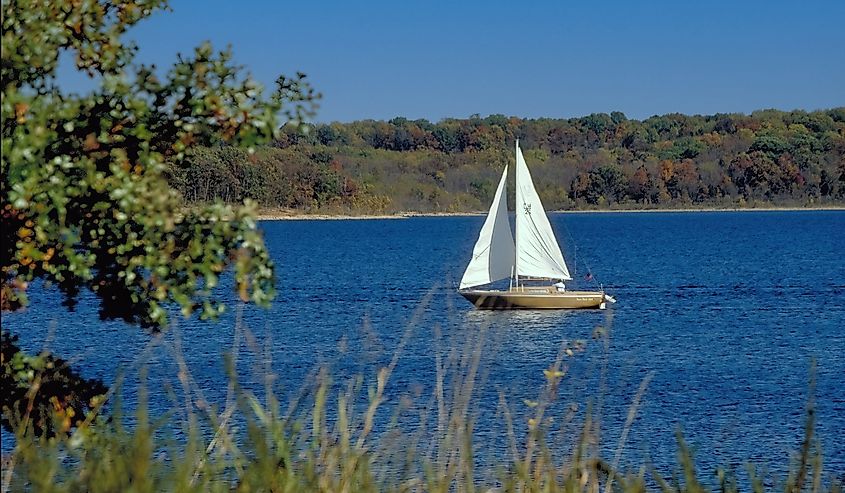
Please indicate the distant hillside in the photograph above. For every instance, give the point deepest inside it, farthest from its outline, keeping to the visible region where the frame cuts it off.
(770, 157)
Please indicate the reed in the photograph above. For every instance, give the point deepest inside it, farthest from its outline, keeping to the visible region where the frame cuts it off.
(342, 434)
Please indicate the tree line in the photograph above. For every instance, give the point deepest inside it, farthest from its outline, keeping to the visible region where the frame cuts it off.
(769, 157)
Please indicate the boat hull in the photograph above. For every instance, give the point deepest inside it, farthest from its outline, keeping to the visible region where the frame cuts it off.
(534, 299)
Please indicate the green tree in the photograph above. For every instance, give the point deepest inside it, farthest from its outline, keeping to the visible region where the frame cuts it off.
(772, 145)
(684, 148)
(446, 135)
(329, 135)
(85, 199)
(607, 181)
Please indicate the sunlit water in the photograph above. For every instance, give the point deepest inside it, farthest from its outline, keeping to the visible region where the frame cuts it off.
(726, 310)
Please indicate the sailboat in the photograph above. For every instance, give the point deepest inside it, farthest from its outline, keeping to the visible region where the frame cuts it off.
(533, 259)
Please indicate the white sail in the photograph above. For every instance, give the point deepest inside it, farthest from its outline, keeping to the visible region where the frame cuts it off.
(537, 251)
(493, 255)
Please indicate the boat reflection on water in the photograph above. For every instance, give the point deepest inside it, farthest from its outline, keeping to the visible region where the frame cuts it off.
(522, 319)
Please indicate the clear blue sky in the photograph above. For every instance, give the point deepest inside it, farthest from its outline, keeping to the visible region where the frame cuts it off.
(437, 59)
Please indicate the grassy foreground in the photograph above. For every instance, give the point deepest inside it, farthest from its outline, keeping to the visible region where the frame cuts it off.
(344, 434)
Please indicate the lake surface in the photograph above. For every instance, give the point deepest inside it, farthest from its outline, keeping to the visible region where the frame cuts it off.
(726, 309)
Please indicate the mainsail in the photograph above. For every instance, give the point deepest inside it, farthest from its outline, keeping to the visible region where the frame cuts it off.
(493, 255)
(537, 251)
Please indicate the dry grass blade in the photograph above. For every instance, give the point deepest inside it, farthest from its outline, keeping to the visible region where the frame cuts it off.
(629, 420)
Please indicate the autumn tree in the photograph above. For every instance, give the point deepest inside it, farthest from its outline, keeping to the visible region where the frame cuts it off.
(756, 175)
(639, 185)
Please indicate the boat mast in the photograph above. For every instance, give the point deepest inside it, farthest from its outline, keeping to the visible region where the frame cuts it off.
(516, 211)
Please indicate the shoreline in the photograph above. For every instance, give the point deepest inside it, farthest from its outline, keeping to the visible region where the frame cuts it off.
(706, 209)
(290, 215)
(304, 216)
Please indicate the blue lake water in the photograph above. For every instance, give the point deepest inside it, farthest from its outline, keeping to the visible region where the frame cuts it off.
(727, 309)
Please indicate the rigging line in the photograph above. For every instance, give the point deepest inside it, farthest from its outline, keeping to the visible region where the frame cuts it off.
(583, 259)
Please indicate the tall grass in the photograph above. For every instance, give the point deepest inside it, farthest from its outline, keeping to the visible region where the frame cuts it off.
(342, 434)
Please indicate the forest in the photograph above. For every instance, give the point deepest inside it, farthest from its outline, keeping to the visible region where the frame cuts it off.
(767, 158)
